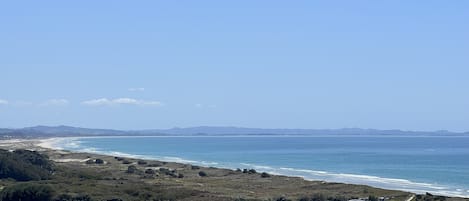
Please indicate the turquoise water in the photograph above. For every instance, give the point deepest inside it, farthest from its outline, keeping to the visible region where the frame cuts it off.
(419, 164)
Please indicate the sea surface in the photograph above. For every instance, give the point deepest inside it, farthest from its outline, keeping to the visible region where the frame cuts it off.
(439, 165)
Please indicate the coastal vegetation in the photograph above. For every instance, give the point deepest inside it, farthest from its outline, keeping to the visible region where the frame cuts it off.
(108, 179)
(24, 165)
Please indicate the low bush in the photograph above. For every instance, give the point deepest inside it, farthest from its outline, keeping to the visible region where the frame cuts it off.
(131, 169)
(265, 175)
(27, 192)
(149, 171)
(202, 174)
(67, 197)
(99, 161)
(126, 162)
(24, 165)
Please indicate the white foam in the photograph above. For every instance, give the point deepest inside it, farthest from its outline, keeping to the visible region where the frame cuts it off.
(381, 182)
(56, 143)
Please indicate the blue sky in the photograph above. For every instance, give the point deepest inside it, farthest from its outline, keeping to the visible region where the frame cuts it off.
(270, 64)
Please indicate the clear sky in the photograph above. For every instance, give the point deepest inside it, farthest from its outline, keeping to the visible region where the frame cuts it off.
(269, 64)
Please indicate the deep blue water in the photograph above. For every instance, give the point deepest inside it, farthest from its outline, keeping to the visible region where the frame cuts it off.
(419, 164)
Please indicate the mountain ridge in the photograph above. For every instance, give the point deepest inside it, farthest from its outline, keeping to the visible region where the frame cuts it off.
(62, 130)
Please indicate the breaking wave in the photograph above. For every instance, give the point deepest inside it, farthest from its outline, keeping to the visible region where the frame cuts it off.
(74, 144)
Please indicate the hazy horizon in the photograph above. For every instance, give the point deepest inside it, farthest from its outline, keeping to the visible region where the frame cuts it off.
(231, 127)
(257, 64)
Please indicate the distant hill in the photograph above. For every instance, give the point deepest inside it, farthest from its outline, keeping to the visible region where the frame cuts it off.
(61, 131)
(208, 130)
(72, 130)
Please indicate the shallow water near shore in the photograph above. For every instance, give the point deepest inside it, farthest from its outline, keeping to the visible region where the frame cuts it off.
(438, 165)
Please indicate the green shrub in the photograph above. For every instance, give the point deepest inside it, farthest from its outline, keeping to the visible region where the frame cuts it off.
(149, 171)
(372, 198)
(154, 165)
(202, 174)
(119, 158)
(126, 162)
(27, 192)
(67, 197)
(99, 161)
(131, 169)
(265, 175)
(282, 199)
(24, 165)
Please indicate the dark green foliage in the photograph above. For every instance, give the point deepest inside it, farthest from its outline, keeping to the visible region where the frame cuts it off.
(99, 161)
(169, 172)
(194, 167)
(202, 174)
(338, 198)
(154, 165)
(24, 165)
(126, 162)
(27, 192)
(140, 162)
(321, 197)
(372, 198)
(318, 197)
(252, 171)
(63, 197)
(265, 175)
(131, 169)
(180, 176)
(441, 198)
(238, 170)
(315, 197)
(119, 158)
(150, 171)
(430, 197)
(67, 197)
(282, 199)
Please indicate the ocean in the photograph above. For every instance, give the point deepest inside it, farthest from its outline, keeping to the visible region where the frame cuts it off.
(438, 165)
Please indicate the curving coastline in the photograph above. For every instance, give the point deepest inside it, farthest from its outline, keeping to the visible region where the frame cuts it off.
(380, 182)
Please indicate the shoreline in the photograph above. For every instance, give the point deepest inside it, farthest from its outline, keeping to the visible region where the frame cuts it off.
(354, 179)
(49, 144)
